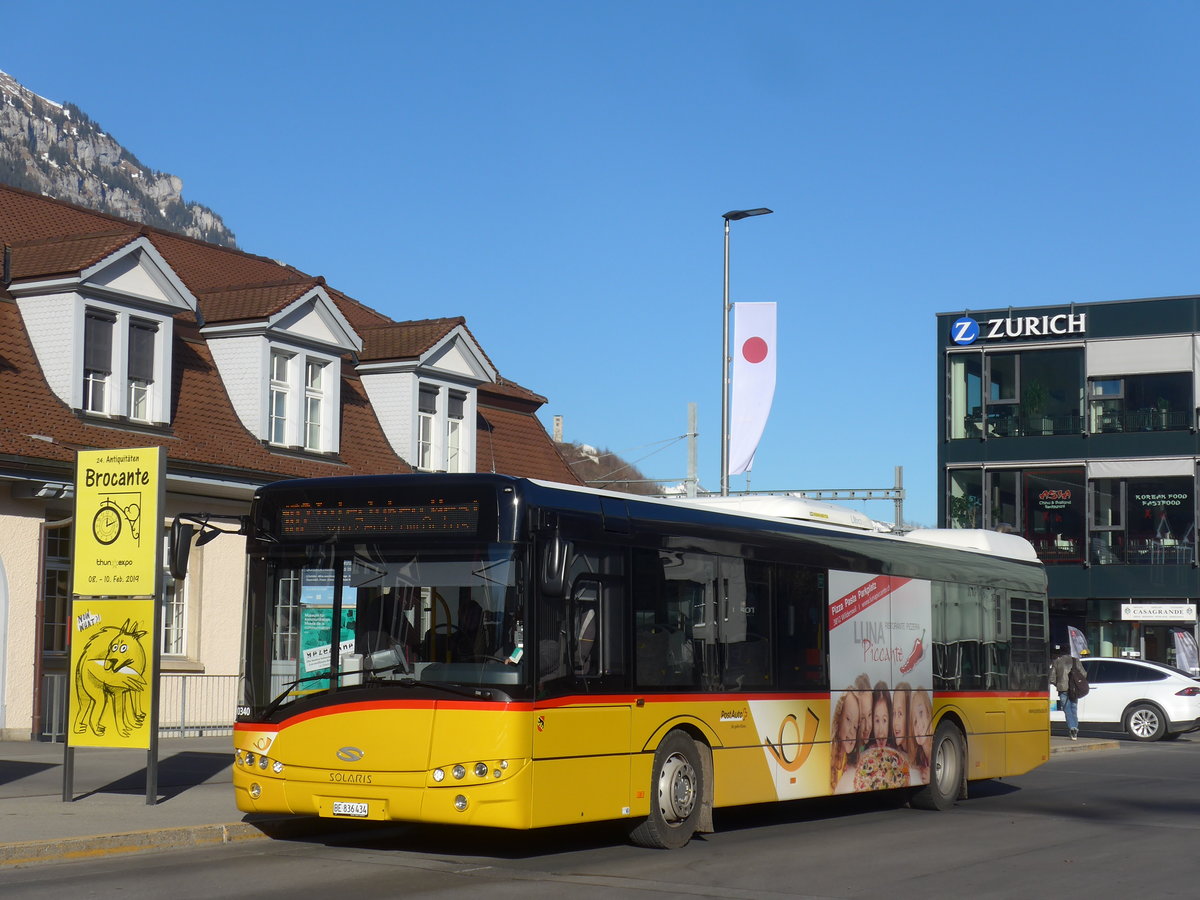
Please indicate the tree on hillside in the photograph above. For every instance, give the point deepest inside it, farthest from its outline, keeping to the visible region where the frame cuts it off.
(605, 469)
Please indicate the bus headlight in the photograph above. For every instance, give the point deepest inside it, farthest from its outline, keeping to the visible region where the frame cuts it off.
(439, 775)
(255, 791)
(460, 803)
(277, 767)
(249, 760)
(459, 772)
(481, 770)
(262, 763)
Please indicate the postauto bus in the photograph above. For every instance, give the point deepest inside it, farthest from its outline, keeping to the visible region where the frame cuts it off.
(494, 651)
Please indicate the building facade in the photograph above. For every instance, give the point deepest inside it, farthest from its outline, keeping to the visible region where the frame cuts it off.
(1076, 427)
(114, 335)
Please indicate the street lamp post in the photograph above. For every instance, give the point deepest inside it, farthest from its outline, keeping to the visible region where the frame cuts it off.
(731, 216)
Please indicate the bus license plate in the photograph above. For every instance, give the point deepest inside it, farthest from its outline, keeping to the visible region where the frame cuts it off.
(343, 808)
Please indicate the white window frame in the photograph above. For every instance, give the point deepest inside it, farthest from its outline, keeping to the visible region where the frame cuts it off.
(114, 393)
(314, 401)
(299, 412)
(427, 449)
(279, 396)
(442, 440)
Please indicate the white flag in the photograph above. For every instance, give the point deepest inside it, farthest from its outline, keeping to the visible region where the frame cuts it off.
(753, 380)
(1078, 641)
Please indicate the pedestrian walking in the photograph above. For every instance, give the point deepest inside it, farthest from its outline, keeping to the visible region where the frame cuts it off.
(1070, 680)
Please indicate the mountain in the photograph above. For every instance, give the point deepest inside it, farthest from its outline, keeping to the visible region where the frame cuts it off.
(56, 150)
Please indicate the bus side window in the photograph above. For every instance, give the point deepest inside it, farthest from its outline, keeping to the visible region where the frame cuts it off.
(585, 627)
(800, 607)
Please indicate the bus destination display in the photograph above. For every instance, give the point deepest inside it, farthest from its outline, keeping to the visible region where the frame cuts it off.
(321, 518)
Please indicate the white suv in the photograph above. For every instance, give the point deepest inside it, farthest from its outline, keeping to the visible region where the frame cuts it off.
(1149, 700)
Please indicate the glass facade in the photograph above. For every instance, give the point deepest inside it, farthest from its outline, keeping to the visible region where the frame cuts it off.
(1076, 428)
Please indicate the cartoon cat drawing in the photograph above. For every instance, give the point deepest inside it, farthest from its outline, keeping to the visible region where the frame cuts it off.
(110, 674)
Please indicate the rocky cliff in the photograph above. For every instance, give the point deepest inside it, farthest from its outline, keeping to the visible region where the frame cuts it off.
(56, 150)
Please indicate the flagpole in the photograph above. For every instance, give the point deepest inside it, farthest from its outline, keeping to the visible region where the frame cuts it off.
(732, 216)
(725, 370)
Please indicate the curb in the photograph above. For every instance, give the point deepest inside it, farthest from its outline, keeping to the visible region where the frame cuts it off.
(95, 846)
(1080, 747)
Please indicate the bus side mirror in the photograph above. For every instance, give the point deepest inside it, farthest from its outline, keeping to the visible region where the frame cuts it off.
(553, 575)
(179, 547)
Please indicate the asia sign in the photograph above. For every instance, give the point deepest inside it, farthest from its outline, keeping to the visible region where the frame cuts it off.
(118, 499)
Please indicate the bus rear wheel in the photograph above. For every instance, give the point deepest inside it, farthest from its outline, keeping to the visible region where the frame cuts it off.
(676, 792)
(945, 770)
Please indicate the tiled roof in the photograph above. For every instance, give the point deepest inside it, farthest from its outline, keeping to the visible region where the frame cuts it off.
(251, 302)
(64, 255)
(46, 237)
(508, 446)
(405, 340)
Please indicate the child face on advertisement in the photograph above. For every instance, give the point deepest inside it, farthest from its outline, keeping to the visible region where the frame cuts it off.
(881, 721)
(847, 731)
(900, 718)
(920, 723)
(864, 718)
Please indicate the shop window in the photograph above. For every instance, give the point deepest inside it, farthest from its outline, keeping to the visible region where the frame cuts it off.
(1004, 496)
(964, 507)
(1015, 394)
(1137, 403)
(1106, 544)
(1054, 504)
(1143, 521)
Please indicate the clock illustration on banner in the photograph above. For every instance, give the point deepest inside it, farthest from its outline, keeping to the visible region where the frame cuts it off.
(106, 525)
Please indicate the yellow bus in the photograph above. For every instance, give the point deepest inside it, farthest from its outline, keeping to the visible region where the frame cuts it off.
(495, 651)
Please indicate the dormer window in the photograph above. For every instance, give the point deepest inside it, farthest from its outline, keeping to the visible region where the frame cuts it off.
(426, 425)
(123, 362)
(443, 443)
(300, 413)
(97, 360)
(314, 403)
(142, 337)
(281, 363)
(454, 432)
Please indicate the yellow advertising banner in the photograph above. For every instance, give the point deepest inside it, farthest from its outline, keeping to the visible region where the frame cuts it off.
(117, 521)
(112, 672)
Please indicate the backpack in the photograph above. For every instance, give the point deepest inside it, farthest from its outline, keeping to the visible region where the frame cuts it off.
(1077, 683)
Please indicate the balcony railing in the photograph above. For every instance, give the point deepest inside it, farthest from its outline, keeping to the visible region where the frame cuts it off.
(1008, 421)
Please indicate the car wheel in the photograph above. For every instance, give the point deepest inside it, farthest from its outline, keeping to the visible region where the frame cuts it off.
(945, 771)
(1145, 722)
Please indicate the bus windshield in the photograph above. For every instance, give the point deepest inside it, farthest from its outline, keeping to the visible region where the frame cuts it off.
(406, 616)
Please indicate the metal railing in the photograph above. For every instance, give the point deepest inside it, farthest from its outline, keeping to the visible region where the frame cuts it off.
(188, 705)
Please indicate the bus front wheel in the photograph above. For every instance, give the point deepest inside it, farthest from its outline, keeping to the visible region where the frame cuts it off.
(945, 770)
(676, 794)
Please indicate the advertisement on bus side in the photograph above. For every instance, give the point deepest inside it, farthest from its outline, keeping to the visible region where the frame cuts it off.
(881, 670)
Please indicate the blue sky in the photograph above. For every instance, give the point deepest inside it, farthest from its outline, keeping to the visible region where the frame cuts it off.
(556, 172)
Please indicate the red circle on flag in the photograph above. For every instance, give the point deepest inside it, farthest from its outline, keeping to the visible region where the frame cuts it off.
(754, 350)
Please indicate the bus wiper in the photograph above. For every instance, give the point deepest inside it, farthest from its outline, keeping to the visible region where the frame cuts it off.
(469, 693)
(287, 689)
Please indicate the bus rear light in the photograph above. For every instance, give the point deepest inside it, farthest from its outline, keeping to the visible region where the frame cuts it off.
(1188, 692)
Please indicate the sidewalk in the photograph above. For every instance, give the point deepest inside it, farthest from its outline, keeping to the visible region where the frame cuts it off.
(195, 804)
